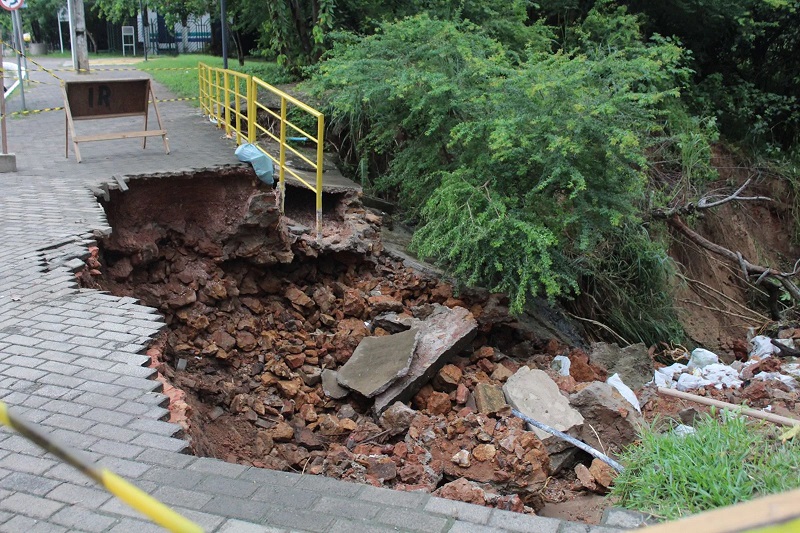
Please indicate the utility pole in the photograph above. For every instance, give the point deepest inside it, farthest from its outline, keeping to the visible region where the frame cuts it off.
(81, 46)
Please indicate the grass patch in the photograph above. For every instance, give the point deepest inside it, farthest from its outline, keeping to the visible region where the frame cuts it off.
(723, 463)
(183, 81)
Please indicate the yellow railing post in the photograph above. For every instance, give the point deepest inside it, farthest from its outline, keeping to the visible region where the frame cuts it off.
(238, 107)
(282, 158)
(217, 86)
(252, 94)
(227, 97)
(320, 169)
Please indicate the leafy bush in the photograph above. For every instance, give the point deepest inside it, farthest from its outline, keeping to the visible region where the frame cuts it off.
(723, 463)
(515, 166)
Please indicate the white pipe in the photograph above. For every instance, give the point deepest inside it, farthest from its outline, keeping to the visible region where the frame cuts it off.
(20, 74)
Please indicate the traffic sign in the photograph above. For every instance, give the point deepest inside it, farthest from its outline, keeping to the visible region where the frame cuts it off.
(11, 5)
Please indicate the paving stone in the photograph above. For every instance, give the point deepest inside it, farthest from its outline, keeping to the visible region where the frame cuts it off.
(186, 479)
(411, 500)
(240, 526)
(341, 525)
(28, 483)
(523, 523)
(236, 508)
(126, 525)
(573, 527)
(157, 442)
(216, 467)
(78, 518)
(300, 520)
(407, 519)
(237, 488)
(192, 499)
(345, 508)
(26, 463)
(32, 506)
(30, 525)
(78, 495)
(277, 496)
(459, 510)
(469, 527)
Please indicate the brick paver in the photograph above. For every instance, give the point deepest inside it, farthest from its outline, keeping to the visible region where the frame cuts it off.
(72, 360)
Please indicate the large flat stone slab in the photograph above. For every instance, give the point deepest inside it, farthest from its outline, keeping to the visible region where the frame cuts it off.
(535, 394)
(442, 335)
(377, 362)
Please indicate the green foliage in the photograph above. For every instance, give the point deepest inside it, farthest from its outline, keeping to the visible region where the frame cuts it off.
(517, 167)
(184, 82)
(723, 463)
(298, 33)
(624, 284)
(294, 32)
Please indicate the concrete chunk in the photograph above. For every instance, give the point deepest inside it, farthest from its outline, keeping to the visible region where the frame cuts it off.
(442, 335)
(330, 385)
(377, 362)
(534, 394)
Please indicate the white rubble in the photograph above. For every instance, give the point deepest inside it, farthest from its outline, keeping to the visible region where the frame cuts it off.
(625, 391)
(721, 376)
(761, 347)
(702, 357)
(687, 382)
(561, 365)
(789, 381)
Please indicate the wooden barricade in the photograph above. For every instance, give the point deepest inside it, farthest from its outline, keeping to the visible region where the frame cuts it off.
(98, 99)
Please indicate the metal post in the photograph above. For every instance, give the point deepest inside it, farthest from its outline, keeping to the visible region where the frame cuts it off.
(60, 35)
(320, 170)
(17, 23)
(282, 157)
(223, 14)
(3, 130)
(71, 15)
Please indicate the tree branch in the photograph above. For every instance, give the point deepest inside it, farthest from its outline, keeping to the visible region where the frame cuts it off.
(748, 268)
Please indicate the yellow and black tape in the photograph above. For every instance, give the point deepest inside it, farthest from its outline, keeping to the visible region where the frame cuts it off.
(46, 109)
(133, 496)
(22, 54)
(120, 69)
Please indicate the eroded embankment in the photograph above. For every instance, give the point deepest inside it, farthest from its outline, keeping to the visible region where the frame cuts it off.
(257, 311)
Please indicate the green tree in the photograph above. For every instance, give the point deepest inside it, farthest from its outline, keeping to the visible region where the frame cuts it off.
(516, 167)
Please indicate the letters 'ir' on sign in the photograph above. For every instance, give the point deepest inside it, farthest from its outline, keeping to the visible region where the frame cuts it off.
(100, 99)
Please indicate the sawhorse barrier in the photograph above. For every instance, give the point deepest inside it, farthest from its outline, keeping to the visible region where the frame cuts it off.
(100, 99)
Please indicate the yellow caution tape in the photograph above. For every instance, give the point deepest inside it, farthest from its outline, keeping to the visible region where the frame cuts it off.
(22, 54)
(45, 109)
(125, 491)
(120, 69)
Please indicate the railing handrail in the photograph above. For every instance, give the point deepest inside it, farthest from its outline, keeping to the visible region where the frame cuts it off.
(218, 85)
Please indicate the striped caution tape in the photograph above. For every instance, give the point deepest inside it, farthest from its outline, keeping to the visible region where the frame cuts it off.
(133, 496)
(33, 111)
(22, 54)
(44, 110)
(120, 69)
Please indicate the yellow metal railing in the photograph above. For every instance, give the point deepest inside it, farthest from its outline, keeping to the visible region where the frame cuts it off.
(232, 100)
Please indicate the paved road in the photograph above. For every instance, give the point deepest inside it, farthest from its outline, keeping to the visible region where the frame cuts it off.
(72, 360)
